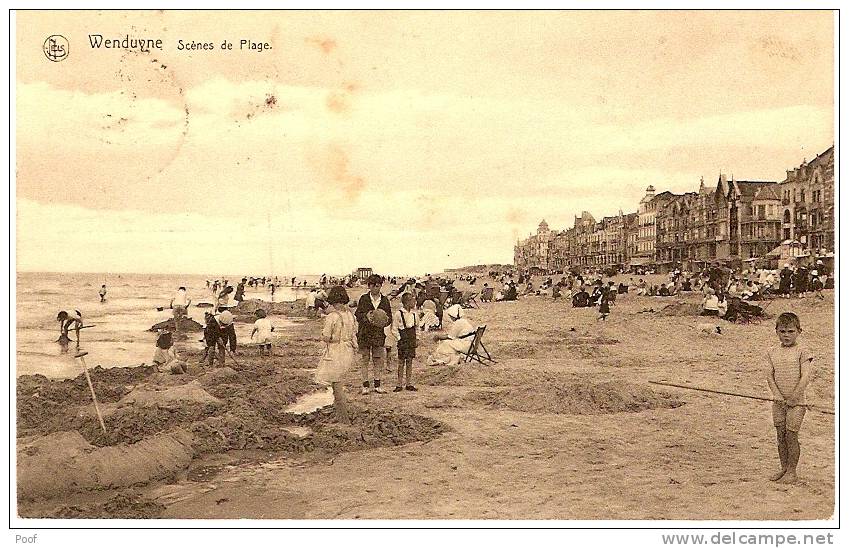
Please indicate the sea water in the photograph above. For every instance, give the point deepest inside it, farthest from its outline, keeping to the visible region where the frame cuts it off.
(119, 337)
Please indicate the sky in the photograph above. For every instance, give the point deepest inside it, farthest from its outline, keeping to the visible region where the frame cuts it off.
(410, 142)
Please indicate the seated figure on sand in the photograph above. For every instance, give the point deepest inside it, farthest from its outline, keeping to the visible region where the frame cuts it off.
(457, 339)
(429, 320)
(581, 298)
(165, 357)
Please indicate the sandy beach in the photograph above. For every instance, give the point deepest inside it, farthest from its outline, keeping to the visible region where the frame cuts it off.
(564, 426)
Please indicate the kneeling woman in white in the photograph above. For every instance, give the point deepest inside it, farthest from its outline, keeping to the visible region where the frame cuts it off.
(456, 341)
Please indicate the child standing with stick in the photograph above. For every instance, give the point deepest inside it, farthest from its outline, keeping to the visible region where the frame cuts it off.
(404, 328)
(340, 334)
(789, 374)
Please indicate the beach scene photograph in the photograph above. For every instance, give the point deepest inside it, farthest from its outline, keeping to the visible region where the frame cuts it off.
(424, 267)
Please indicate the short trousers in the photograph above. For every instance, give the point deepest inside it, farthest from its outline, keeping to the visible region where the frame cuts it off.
(406, 353)
(789, 417)
(376, 352)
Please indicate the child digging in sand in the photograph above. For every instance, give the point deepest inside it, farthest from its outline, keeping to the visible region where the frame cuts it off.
(340, 335)
(789, 374)
(404, 328)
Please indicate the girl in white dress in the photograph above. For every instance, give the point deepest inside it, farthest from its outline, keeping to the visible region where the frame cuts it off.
(340, 335)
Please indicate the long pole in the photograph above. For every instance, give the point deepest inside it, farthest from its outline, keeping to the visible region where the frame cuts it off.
(81, 355)
(737, 394)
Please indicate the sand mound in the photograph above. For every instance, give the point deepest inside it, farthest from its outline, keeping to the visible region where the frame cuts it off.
(472, 375)
(369, 428)
(679, 308)
(175, 396)
(220, 375)
(186, 325)
(41, 400)
(380, 428)
(121, 506)
(134, 423)
(64, 462)
(575, 398)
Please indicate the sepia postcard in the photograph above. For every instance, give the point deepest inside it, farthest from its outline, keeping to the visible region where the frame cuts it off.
(424, 267)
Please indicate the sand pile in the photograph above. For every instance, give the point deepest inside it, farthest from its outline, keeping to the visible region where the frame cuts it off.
(221, 375)
(369, 428)
(473, 375)
(186, 325)
(122, 506)
(41, 400)
(131, 424)
(171, 397)
(679, 308)
(64, 462)
(575, 398)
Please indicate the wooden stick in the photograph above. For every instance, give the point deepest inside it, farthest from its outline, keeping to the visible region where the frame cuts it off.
(81, 355)
(737, 394)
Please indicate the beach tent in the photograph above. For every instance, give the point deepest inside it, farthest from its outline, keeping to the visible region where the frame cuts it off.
(789, 249)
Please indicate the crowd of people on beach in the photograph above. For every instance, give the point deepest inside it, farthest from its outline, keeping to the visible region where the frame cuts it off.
(370, 333)
(727, 292)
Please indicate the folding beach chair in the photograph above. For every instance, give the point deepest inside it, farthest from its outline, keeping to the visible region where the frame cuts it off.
(475, 348)
(469, 299)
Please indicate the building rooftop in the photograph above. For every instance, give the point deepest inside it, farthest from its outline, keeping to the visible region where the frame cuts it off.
(750, 188)
(766, 192)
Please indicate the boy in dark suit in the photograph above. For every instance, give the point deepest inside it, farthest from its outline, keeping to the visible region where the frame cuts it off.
(370, 337)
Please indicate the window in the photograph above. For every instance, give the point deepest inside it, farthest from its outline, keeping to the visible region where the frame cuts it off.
(762, 211)
(803, 195)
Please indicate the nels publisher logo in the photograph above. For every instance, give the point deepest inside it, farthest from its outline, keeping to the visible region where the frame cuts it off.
(56, 48)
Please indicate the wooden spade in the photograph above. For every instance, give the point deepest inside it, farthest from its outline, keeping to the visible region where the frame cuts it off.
(81, 356)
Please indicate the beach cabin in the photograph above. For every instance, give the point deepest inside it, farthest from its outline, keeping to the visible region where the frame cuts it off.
(363, 272)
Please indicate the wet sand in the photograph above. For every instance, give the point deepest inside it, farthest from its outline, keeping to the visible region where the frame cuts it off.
(564, 426)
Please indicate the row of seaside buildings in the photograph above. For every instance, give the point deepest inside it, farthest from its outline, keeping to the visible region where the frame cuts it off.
(732, 220)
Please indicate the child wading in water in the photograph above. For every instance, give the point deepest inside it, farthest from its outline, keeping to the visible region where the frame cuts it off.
(404, 327)
(340, 334)
(789, 374)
